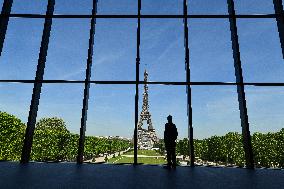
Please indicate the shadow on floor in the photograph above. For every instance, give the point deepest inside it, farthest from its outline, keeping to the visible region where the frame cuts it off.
(71, 175)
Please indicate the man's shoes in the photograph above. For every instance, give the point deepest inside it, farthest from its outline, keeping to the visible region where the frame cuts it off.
(168, 166)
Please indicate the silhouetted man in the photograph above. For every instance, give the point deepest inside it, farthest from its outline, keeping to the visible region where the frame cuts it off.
(170, 136)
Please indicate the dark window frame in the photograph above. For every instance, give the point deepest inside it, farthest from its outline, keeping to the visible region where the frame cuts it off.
(38, 81)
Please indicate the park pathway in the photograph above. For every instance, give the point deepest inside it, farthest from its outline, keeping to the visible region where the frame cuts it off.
(102, 158)
(143, 156)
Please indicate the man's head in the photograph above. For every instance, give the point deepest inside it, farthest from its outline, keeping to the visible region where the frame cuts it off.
(170, 119)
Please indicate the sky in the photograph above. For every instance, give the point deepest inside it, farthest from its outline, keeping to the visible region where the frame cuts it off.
(112, 107)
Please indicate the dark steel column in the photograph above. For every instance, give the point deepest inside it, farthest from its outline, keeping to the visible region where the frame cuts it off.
(240, 86)
(87, 85)
(188, 87)
(4, 19)
(278, 7)
(137, 83)
(38, 84)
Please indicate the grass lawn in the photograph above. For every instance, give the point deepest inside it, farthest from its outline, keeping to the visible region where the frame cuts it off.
(145, 160)
(144, 152)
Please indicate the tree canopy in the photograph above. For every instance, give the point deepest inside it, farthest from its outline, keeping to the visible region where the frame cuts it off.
(50, 140)
(53, 142)
(12, 132)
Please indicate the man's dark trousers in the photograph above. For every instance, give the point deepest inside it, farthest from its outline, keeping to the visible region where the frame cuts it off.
(171, 155)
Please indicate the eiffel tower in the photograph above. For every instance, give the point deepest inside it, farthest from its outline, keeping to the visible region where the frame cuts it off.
(145, 114)
(146, 137)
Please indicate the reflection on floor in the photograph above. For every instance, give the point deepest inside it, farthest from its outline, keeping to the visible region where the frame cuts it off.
(71, 175)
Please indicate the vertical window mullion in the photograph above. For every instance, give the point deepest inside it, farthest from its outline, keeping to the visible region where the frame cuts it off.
(188, 87)
(4, 19)
(87, 85)
(278, 7)
(137, 82)
(38, 83)
(240, 86)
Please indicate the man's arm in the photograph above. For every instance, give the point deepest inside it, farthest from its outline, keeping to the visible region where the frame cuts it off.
(176, 132)
(165, 134)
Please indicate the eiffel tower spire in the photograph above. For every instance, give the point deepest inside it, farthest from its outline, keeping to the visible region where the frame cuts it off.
(145, 114)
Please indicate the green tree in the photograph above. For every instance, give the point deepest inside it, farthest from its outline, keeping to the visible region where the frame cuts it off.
(215, 146)
(279, 137)
(259, 147)
(233, 148)
(90, 147)
(12, 133)
(72, 147)
(51, 140)
(266, 149)
(182, 147)
(199, 148)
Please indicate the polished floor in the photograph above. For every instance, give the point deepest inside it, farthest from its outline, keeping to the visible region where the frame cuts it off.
(71, 175)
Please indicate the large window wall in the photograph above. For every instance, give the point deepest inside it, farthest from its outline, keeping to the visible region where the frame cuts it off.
(75, 68)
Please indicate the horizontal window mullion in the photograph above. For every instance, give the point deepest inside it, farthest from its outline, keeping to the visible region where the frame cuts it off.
(141, 16)
(142, 82)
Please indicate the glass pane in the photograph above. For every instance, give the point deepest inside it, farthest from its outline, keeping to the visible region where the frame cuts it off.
(121, 7)
(73, 7)
(210, 49)
(264, 108)
(114, 50)
(162, 49)
(254, 7)
(110, 124)
(260, 50)
(265, 105)
(29, 7)
(68, 49)
(162, 101)
(217, 126)
(169, 7)
(58, 123)
(207, 7)
(21, 50)
(14, 109)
